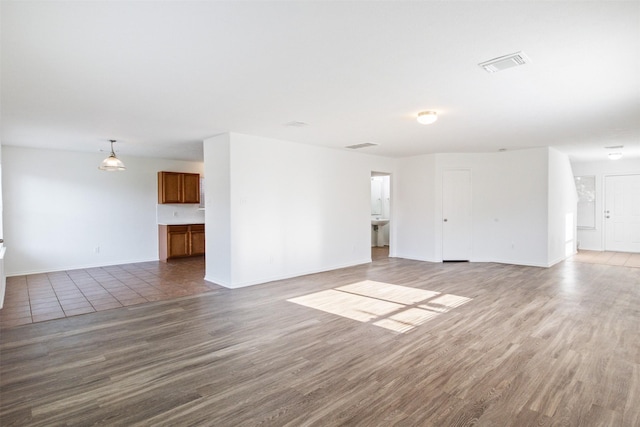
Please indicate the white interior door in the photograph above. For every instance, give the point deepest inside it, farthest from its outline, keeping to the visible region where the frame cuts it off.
(456, 215)
(622, 213)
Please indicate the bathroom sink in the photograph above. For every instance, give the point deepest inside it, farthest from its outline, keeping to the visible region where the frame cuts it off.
(379, 221)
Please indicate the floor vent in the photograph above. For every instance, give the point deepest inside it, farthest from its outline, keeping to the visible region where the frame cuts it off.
(363, 145)
(504, 62)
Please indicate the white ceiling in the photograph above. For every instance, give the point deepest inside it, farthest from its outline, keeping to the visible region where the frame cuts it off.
(162, 76)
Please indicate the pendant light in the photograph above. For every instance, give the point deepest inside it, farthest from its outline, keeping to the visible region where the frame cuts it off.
(112, 163)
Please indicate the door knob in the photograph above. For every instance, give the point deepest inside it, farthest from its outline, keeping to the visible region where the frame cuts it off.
(445, 220)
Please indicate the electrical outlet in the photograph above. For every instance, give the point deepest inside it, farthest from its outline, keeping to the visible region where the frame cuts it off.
(175, 213)
(96, 250)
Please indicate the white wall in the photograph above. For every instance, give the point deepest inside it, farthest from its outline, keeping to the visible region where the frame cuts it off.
(1, 200)
(58, 208)
(275, 209)
(563, 206)
(185, 213)
(413, 224)
(594, 239)
(509, 206)
(217, 169)
(294, 208)
(3, 281)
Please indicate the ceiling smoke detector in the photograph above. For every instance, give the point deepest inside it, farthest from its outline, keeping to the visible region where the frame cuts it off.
(504, 62)
(363, 145)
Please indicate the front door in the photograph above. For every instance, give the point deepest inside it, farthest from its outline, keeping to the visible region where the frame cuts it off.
(456, 215)
(622, 213)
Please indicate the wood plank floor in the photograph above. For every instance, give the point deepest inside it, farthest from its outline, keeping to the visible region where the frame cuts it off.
(529, 347)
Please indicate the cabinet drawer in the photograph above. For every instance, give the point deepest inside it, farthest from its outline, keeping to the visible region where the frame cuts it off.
(178, 228)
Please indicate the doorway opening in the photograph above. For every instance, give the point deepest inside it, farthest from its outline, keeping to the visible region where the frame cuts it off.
(380, 215)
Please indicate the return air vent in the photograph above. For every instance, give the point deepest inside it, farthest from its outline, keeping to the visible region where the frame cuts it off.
(296, 124)
(363, 145)
(614, 147)
(504, 62)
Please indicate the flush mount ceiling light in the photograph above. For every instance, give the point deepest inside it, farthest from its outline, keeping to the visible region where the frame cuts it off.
(615, 155)
(112, 163)
(427, 117)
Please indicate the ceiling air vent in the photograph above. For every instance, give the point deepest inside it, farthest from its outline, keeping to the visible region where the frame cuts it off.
(363, 145)
(296, 124)
(504, 62)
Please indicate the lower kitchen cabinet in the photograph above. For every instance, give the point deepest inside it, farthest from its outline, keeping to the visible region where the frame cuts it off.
(183, 240)
(197, 239)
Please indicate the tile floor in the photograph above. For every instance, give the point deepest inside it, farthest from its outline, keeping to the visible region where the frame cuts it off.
(609, 258)
(39, 297)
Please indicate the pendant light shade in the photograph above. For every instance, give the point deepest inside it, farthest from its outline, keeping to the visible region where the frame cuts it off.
(112, 163)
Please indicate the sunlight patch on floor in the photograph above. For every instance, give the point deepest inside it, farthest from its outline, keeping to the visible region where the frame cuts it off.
(393, 307)
(389, 292)
(444, 303)
(356, 307)
(405, 320)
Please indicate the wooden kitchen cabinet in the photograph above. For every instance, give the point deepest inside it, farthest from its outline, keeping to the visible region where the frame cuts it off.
(197, 239)
(176, 241)
(178, 187)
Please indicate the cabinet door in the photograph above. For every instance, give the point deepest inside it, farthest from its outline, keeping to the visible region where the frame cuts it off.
(170, 187)
(197, 240)
(191, 188)
(178, 241)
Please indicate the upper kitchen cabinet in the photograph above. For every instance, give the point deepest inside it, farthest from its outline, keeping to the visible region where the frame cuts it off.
(178, 187)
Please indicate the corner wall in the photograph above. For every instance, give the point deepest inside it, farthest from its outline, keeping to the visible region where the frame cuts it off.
(510, 205)
(217, 169)
(563, 206)
(3, 276)
(294, 209)
(414, 195)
